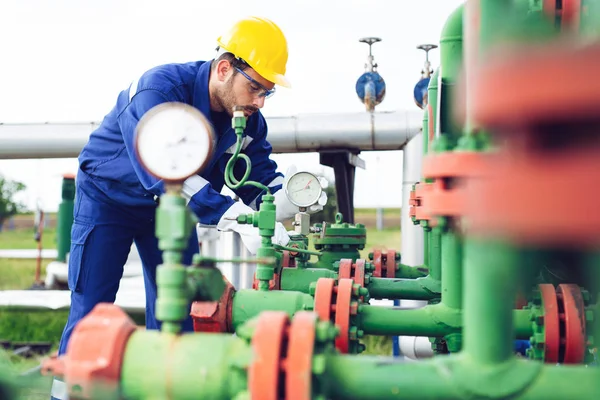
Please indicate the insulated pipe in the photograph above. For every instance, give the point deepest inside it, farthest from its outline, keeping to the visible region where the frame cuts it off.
(412, 235)
(415, 347)
(303, 133)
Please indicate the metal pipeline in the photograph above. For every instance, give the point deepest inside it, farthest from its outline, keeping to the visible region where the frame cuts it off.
(291, 134)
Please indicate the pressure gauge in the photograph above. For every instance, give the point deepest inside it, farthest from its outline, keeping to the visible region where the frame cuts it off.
(303, 189)
(174, 141)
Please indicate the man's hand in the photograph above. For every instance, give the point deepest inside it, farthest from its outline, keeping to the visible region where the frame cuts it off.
(249, 233)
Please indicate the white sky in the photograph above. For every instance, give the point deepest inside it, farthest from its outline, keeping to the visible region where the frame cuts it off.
(66, 60)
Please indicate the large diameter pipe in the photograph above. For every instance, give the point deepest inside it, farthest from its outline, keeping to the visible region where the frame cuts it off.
(292, 134)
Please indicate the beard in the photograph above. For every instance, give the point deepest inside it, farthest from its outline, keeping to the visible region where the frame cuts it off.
(226, 99)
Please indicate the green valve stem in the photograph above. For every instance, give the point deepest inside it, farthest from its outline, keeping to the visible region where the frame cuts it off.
(265, 221)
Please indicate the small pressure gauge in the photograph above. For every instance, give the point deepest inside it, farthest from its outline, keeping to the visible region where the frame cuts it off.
(303, 189)
(174, 141)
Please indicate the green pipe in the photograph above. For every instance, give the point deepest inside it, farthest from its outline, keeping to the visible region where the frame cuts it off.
(451, 58)
(407, 272)
(432, 98)
(407, 289)
(454, 378)
(435, 259)
(248, 304)
(425, 288)
(300, 279)
(65, 218)
(195, 366)
(436, 320)
(426, 236)
(452, 249)
(490, 292)
(433, 320)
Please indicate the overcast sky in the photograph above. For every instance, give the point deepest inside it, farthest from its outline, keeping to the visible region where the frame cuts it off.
(66, 60)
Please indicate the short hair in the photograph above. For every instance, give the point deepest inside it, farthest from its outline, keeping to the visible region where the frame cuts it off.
(233, 60)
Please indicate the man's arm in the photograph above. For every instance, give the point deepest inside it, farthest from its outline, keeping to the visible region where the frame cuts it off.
(205, 202)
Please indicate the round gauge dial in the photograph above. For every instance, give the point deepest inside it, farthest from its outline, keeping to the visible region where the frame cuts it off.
(303, 189)
(174, 141)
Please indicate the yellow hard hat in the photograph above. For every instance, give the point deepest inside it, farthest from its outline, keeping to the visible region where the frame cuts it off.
(261, 44)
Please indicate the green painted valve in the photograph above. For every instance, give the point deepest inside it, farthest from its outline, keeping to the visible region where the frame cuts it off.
(337, 241)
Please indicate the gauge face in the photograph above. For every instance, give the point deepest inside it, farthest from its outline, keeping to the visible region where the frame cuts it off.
(173, 141)
(303, 189)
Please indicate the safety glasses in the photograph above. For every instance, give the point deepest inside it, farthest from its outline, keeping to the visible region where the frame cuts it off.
(261, 91)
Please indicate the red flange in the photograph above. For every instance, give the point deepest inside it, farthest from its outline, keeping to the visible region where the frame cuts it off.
(345, 270)
(377, 263)
(264, 374)
(390, 264)
(342, 314)
(323, 298)
(359, 272)
(572, 319)
(298, 365)
(551, 324)
(95, 352)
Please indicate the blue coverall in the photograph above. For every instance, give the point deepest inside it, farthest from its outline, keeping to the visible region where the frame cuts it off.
(115, 197)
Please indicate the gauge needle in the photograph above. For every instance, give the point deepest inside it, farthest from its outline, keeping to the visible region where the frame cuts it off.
(308, 184)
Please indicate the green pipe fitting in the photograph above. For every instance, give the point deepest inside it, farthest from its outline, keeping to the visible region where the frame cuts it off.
(265, 221)
(65, 218)
(337, 241)
(173, 227)
(195, 366)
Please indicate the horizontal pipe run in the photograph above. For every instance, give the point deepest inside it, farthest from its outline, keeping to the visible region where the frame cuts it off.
(290, 134)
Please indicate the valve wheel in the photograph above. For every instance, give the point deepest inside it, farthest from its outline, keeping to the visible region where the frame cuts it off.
(377, 263)
(267, 343)
(345, 270)
(390, 264)
(342, 314)
(298, 364)
(572, 319)
(551, 323)
(323, 298)
(359, 273)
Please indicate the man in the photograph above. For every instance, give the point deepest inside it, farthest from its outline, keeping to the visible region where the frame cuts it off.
(116, 198)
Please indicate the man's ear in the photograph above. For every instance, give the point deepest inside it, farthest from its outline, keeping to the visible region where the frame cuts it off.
(224, 68)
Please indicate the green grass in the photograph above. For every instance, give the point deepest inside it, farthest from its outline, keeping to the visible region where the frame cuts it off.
(23, 239)
(19, 273)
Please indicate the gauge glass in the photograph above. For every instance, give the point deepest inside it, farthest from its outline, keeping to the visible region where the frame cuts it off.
(303, 189)
(174, 141)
